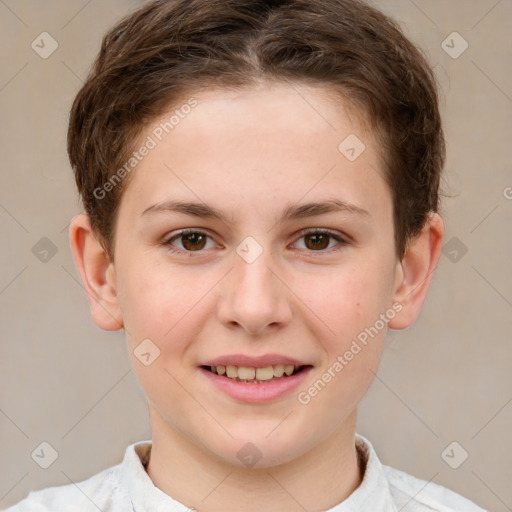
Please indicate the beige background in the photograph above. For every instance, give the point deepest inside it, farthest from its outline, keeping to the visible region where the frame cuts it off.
(447, 378)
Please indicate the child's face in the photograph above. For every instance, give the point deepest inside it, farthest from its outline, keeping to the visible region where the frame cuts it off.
(251, 156)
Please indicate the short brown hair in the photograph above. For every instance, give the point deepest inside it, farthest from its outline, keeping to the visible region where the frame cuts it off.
(168, 48)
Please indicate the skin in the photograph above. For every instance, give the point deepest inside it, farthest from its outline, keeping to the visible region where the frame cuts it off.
(250, 154)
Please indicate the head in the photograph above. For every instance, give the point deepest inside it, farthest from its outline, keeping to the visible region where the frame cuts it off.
(252, 108)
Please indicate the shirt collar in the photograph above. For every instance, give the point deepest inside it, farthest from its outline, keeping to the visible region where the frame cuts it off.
(373, 495)
(144, 494)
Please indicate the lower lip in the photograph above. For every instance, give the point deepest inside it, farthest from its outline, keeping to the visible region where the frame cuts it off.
(257, 392)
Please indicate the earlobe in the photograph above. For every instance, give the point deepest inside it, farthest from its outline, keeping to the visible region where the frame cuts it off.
(97, 273)
(415, 271)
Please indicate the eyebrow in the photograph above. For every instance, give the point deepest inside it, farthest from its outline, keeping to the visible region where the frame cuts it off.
(292, 212)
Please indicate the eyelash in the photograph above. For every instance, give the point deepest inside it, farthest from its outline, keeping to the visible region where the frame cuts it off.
(332, 234)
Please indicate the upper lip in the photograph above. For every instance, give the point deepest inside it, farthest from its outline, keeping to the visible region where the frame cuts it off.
(253, 361)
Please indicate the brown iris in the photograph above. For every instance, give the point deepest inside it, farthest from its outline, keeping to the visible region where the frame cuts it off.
(319, 239)
(193, 241)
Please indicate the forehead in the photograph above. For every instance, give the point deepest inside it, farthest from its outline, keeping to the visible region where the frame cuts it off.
(276, 142)
(276, 105)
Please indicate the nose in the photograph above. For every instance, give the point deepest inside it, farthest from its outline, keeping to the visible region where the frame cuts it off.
(254, 296)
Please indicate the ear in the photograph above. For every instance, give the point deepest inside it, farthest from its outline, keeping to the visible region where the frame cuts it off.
(97, 273)
(415, 271)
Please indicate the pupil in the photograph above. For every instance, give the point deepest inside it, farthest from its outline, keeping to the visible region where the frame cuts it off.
(196, 238)
(318, 236)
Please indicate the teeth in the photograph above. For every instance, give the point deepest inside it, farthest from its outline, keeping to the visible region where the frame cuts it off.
(278, 370)
(288, 369)
(246, 373)
(231, 372)
(266, 373)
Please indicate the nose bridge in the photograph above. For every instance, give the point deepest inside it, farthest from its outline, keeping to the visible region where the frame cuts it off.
(254, 275)
(254, 297)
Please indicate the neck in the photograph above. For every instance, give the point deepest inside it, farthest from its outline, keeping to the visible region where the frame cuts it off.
(317, 480)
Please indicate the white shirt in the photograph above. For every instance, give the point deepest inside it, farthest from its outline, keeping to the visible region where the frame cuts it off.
(127, 487)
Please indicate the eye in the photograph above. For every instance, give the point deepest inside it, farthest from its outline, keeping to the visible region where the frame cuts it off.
(191, 240)
(317, 240)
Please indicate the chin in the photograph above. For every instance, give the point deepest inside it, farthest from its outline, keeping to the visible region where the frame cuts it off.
(257, 452)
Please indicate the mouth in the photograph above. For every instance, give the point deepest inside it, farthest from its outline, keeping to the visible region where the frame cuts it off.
(259, 375)
(255, 379)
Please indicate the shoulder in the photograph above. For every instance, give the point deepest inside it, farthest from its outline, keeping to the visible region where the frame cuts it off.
(98, 492)
(424, 496)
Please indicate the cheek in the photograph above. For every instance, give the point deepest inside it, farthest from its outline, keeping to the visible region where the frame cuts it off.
(170, 307)
(160, 312)
(152, 301)
(349, 306)
(346, 302)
